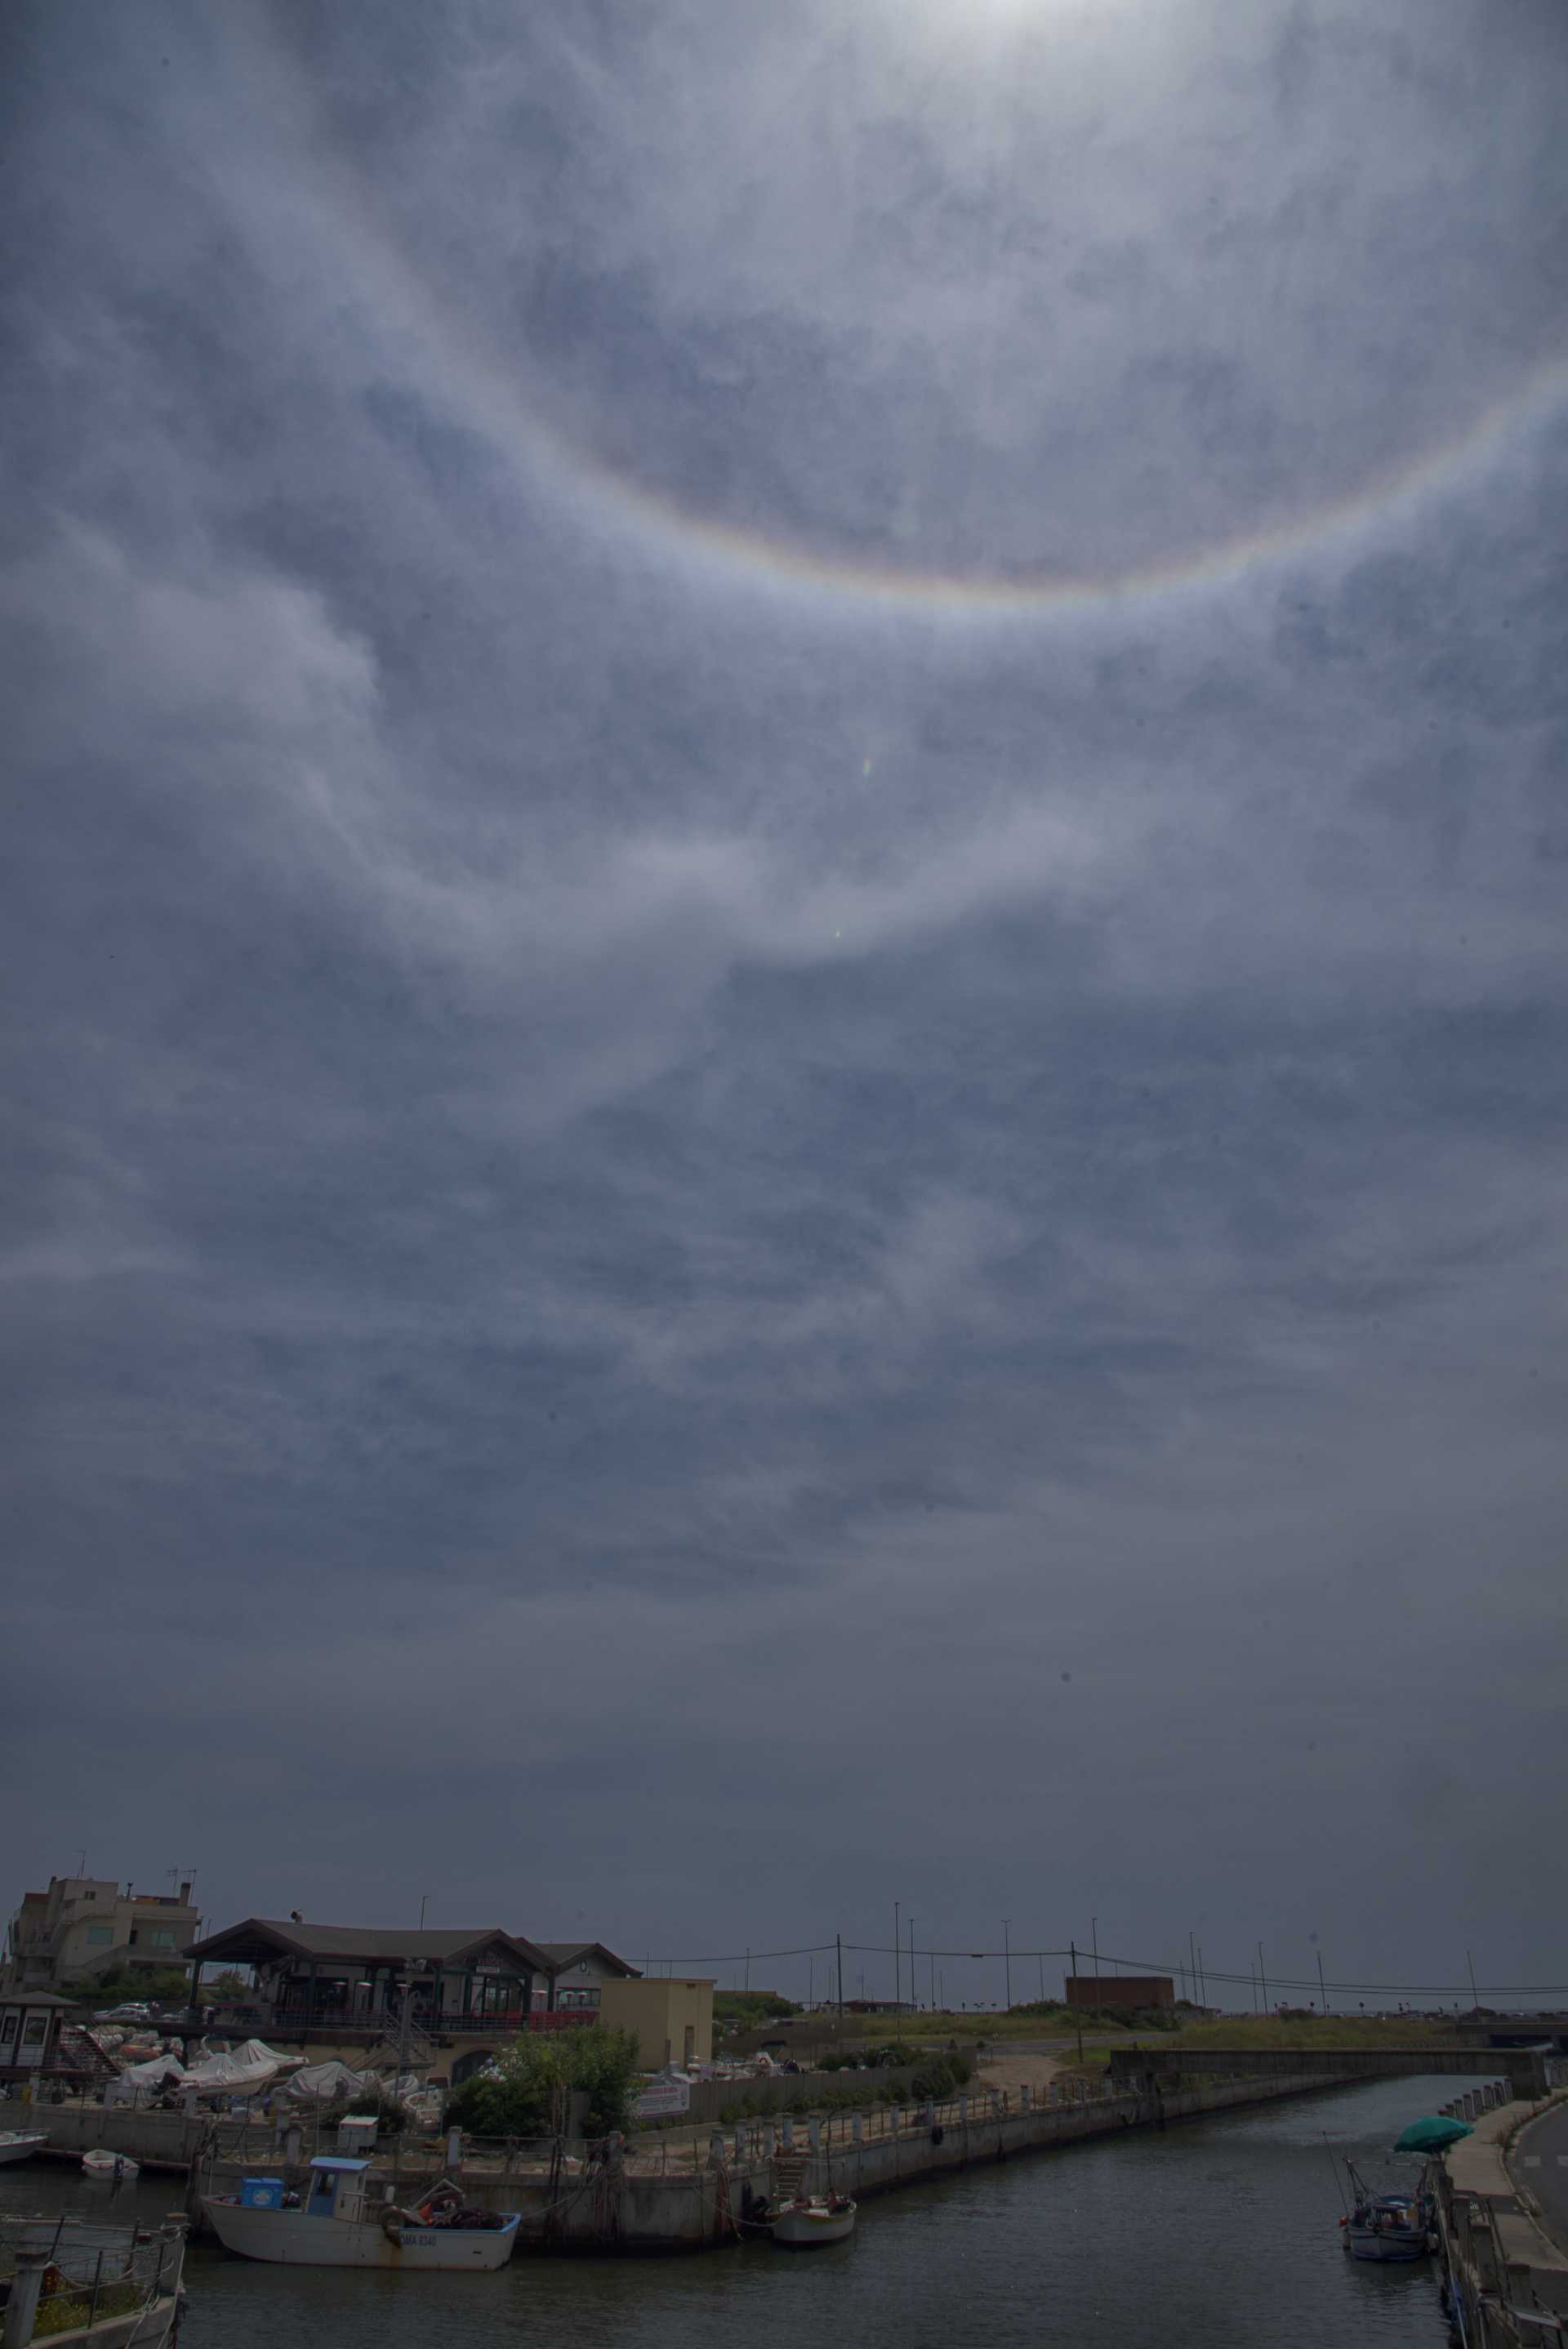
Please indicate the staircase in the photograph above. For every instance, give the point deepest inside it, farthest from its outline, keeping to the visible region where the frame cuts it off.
(788, 2177)
(419, 2049)
(78, 2055)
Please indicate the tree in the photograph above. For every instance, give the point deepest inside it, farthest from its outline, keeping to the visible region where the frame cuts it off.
(526, 2092)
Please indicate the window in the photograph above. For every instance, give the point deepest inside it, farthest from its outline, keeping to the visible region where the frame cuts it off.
(163, 1939)
(98, 1935)
(7, 2028)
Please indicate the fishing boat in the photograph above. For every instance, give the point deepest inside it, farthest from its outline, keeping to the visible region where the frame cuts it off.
(811, 2219)
(115, 2169)
(332, 2226)
(1388, 2227)
(16, 2145)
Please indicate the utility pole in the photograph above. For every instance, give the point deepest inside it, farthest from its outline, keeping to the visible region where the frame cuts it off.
(838, 1946)
(913, 2000)
(1077, 2010)
(895, 1957)
(1322, 1986)
(1193, 1967)
(1262, 1979)
(424, 1904)
(1203, 1978)
(1007, 1960)
(1475, 2000)
(1094, 1937)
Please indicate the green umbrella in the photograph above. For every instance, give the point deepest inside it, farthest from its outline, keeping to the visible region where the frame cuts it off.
(1431, 2134)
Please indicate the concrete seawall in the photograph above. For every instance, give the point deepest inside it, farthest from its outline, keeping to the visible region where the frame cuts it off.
(157, 2140)
(648, 2203)
(634, 2207)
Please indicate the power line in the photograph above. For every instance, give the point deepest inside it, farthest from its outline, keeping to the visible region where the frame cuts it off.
(1469, 1990)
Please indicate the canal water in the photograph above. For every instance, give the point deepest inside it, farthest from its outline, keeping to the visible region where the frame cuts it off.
(1221, 2233)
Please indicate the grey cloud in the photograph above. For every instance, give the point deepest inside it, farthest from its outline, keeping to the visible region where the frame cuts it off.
(687, 1183)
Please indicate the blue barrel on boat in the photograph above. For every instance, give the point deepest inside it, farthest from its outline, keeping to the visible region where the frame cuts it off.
(261, 2193)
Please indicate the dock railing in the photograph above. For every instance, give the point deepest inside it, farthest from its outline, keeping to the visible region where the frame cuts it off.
(66, 2276)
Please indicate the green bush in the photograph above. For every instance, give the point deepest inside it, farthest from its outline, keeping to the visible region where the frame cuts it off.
(944, 2076)
(751, 2007)
(528, 2091)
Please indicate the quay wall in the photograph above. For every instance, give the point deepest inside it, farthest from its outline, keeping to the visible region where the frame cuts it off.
(1523, 2067)
(157, 2140)
(636, 2208)
(673, 2207)
(776, 2092)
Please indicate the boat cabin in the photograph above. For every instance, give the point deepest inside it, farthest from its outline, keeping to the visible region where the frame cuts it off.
(336, 2188)
(30, 2022)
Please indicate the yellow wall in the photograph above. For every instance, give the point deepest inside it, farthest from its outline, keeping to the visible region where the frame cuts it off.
(661, 2013)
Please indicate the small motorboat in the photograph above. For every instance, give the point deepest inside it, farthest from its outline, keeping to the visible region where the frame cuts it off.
(811, 2219)
(1388, 2227)
(336, 2227)
(110, 2168)
(16, 2145)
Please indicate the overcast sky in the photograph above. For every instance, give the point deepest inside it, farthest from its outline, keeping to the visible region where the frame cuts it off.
(784, 936)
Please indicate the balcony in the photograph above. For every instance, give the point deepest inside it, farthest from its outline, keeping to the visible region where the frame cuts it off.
(301, 2021)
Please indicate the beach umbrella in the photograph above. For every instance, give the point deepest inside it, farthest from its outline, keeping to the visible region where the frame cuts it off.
(1431, 2134)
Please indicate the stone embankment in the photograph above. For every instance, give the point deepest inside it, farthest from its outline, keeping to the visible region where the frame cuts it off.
(1507, 2279)
(664, 2198)
(667, 2201)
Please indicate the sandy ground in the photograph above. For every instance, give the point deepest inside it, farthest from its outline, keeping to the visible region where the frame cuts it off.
(1016, 2068)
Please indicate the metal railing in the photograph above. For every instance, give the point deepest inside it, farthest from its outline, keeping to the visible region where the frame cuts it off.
(84, 2275)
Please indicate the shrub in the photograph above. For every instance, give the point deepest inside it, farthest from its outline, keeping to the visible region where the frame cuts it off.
(751, 2007)
(527, 2093)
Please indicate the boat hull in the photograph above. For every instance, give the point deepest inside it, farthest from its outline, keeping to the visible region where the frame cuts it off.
(110, 2168)
(808, 2229)
(17, 2143)
(295, 2240)
(1386, 2249)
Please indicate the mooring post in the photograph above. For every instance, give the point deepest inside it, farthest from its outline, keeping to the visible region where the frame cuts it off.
(22, 2307)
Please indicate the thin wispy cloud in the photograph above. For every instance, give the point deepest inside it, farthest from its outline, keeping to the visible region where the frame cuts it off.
(784, 956)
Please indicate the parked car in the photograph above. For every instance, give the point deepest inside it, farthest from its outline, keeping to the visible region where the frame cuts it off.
(133, 2010)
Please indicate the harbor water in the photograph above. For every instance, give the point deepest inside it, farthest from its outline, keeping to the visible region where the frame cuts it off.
(1219, 2233)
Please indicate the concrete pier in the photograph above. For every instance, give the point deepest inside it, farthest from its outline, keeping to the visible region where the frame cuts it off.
(632, 2206)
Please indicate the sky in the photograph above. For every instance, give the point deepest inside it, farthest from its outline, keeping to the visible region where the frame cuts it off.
(783, 938)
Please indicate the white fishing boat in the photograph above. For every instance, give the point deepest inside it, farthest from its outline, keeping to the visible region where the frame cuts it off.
(115, 2169)
(16, 2145)
(1389, 2228)
(332, 2226)
(811, 2219)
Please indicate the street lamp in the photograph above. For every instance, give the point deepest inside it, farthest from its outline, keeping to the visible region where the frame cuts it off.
(1007, 1960)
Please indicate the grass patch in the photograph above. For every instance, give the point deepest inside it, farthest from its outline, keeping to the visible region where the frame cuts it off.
(1307, 2031)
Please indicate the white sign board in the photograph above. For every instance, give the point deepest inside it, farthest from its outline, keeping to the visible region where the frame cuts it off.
(665, 2097)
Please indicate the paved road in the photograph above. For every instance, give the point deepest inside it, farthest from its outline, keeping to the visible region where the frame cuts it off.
(1540, 2164)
